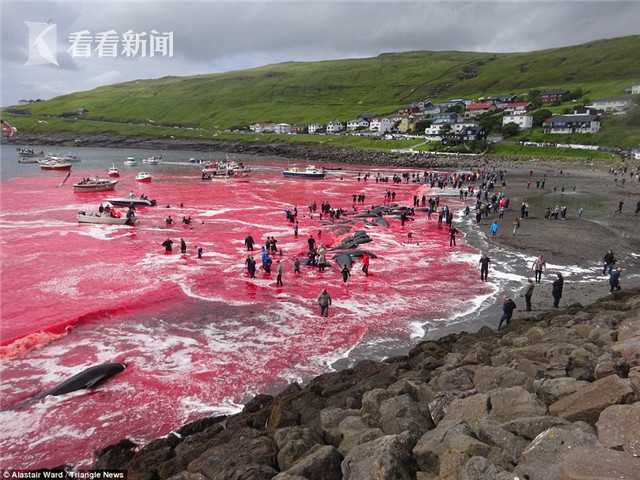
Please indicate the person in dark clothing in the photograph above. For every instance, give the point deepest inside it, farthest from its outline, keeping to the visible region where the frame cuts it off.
(295, 230)
(324, 301)
(556, 291)
(296, 265)
(452, 236)
(248, 242)
(168, 245)
(484, 267)
(183, 246)
(279, 271)
(251, 266)
(507, 312)
(528, 293)
(345, 273)
(199, 252)
(609, 261)
(614, 279)
(312, 244)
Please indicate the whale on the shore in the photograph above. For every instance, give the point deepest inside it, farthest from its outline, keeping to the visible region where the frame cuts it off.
(87, 379)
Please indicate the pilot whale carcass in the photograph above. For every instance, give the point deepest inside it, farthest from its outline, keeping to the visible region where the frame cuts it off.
(88, 378)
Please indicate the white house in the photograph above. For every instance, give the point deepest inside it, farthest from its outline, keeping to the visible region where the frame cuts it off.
(523, 121)
(611, 104)
(262, 127)
(335, 126)
(381, 125)
(282, 128)
(357, 123)
(635, 89)
(568, 124)
(314, 127)
(435, 130)
(636, 154)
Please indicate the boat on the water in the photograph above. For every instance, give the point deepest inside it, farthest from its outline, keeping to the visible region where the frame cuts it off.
(152, 160)
(113, 171)
(130, 161)
(27, 152)
(62, 158)
(95, 184)
(224, 169)
(54, 165)
(144, 177)
(130, 199)
(309, 172)
(107, 215)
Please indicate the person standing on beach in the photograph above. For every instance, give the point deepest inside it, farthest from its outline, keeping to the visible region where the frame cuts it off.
(614, 279)
(279, 271)
(345, 274)
(516, 225)
(539, 265)
(556, 291)
(494, 229)
(620, 205)
(324, 301)
(453, 231)
(484, 267)
(609, 260)
(528, 293)
(507, 312)
(296, 265)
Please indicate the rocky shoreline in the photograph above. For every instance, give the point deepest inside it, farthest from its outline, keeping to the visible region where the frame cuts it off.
(300, 151)
(552, 397)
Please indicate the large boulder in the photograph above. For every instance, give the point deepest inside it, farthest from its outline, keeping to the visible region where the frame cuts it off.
(531, 427)
(469, 409)
(322, 462)
(490, 378)
(330, 419)
(589, 400)
(514, 402)
(402, 413)
(478, 468)
(490, 432)
(354, 431)
(386, 458)
(619, 426)
(550, 390)
(371, 402)
(458, 379)
(541, 459)
(293, 443)
(599, 464)
(116, 456)
(629, 349)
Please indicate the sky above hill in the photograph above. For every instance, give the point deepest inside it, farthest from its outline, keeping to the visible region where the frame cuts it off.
(216, 36)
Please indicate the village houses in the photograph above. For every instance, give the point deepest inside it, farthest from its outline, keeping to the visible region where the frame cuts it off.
(612, 105)
(522, 120)
(635, 89)
(313, 128)
(381, 124)
(358, 123)
(335, 126)
(568, 124)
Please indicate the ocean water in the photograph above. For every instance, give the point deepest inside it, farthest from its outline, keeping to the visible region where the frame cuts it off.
(198, 336)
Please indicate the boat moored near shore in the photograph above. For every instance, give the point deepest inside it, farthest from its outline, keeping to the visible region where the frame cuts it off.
(54, 165)
(309, 172)
(130, 199)
(94, 184)
(143, 177)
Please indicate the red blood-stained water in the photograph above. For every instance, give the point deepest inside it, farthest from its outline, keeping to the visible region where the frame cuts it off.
(198, 334)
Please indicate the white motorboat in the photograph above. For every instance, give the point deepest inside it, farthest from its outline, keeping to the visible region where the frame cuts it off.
(113, 171)
(130, 161)
(106, 217)
(309, 172)
(224, 169)
(144, 177)
(28, 152)
(141, 201)
(95, 184)
(54, 165)
(62, 158)
(152, 160)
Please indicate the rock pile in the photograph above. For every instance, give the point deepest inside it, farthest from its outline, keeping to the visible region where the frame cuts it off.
(553, 398)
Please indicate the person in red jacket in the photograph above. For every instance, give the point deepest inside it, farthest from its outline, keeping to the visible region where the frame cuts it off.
(365, 264)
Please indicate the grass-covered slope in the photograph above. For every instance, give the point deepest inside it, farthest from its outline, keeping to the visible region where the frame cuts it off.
(318, 91)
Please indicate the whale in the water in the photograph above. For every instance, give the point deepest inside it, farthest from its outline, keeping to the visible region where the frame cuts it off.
(89, 378)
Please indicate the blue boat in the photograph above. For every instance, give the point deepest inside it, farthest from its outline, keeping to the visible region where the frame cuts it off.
(309, 172)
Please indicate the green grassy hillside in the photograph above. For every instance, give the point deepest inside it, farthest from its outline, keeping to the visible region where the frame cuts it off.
(318, 91)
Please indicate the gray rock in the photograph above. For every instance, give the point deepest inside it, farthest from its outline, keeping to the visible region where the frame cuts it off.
(599, 464)
(293, 443)
(489, 431)
(330, 419)
(386, 458)
(478, 468)
(619, 426)
(489, 378)
(439, 405)
(514, 402)
(589, 400)
(469, 409)
(402, 413)
(371, 402)
(531, 427)
(581, 364)
(419, 391)
(541, 459)
(459, 379)
(322, 462)
(550, 390)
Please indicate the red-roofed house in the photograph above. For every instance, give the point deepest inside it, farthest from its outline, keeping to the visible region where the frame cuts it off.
(516, 107)
(478, 108)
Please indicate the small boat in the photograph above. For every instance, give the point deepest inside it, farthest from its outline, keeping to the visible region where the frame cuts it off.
(113, 171)
(62, 158)
(152, 160)
(95, 184)
(143, 177)
(28, 152)
(224, 169)
(54, 165)
(309, 172)
(106, 215)
(141, 201)
(130, 161)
